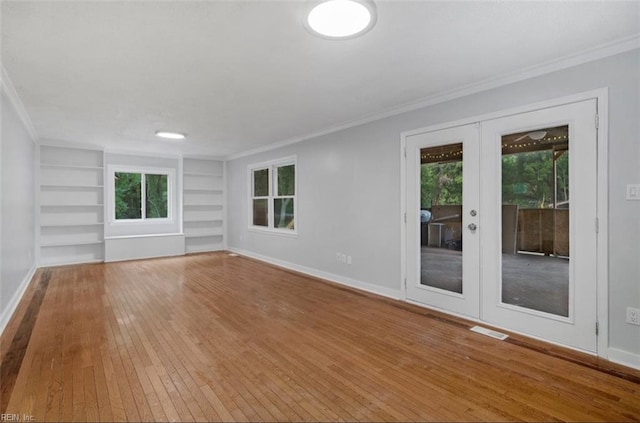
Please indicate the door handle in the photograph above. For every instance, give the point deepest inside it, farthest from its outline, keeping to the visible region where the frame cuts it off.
(472, 226)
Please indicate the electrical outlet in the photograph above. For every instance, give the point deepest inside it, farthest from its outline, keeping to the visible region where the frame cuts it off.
(633, 316)
(338, 256)
(344, 258)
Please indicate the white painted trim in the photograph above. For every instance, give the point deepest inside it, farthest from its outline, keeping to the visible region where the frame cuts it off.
(492, 325)
(403, 210)
(1, 176)
(105, 199)
(352, 283)
(143, 247)
(7, 313)
(48, 142)
(69, 263)
(9, 89)
(203, 157)
(602, 206)
(625, 358)
(171, 174)
(225, 208)
(180, 195)
(589, 55)
(140, 153)
(107, 238)
(270, 165)
(545, 104)
(602, 97)
(287, 233)
(37, 178)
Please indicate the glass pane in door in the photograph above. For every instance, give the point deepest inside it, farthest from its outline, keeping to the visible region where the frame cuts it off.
(535, 220)
(441, 217)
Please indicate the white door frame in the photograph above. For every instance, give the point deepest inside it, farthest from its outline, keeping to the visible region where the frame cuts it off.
(602, 276)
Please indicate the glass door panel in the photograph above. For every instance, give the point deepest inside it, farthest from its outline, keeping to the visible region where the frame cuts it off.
(442, 211)
(535, 220)
(441, 217)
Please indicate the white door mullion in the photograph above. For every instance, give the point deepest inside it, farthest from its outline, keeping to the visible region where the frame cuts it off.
(143, 208)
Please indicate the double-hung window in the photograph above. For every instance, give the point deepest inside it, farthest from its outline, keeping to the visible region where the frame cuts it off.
(141, 195)
(273, 196)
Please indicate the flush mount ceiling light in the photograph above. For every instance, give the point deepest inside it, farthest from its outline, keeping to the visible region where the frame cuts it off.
(341, 19)
(170, 135)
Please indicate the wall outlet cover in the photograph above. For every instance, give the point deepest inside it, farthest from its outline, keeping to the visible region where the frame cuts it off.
(633, 316)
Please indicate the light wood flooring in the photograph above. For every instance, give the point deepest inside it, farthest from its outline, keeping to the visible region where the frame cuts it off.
(212, 337)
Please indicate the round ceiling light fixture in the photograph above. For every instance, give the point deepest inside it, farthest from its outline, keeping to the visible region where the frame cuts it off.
(341, 19)
(171, 135)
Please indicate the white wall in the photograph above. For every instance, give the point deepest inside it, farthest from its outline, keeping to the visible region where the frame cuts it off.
(17, 225)
(349, 186)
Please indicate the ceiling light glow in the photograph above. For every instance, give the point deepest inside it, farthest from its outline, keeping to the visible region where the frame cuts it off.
(341, 18)
(170, 135)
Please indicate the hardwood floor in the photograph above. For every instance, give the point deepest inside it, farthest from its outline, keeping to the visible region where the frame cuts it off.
(212, 337)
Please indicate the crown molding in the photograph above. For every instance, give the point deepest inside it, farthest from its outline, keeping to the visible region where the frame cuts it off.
(9, 89)
(192, 156)
(141, 153)
(600, 52)
(51, 142)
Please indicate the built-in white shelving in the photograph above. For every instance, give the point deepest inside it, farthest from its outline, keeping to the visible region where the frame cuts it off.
(71, 205)
(203, 202)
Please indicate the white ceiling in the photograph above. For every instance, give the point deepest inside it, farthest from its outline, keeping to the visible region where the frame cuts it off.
(239, 75)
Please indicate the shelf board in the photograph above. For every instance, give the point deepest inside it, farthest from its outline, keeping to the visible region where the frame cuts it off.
(204, 235)
(64, 166)
(71, 205)
(68, 244)
(57, 261)
(67, 225)
(216, 247)
(201, 220)
(69, 186)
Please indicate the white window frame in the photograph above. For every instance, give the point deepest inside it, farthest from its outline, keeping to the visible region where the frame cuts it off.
(271, 167)
(170, 173)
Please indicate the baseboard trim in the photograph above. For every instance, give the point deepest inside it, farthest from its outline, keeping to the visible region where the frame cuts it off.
(7, 313)
(624, 357)
(352, 283)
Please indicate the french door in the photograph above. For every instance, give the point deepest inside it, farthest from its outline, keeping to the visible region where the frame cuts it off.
(443, 234)
(501, 222)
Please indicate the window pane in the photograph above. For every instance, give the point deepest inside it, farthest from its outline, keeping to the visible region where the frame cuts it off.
(156, 196)
(283, 213)
(261, 183)
(286, 180)
(128, 188)
(441, 252)
(535, 220)
(260, 210)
